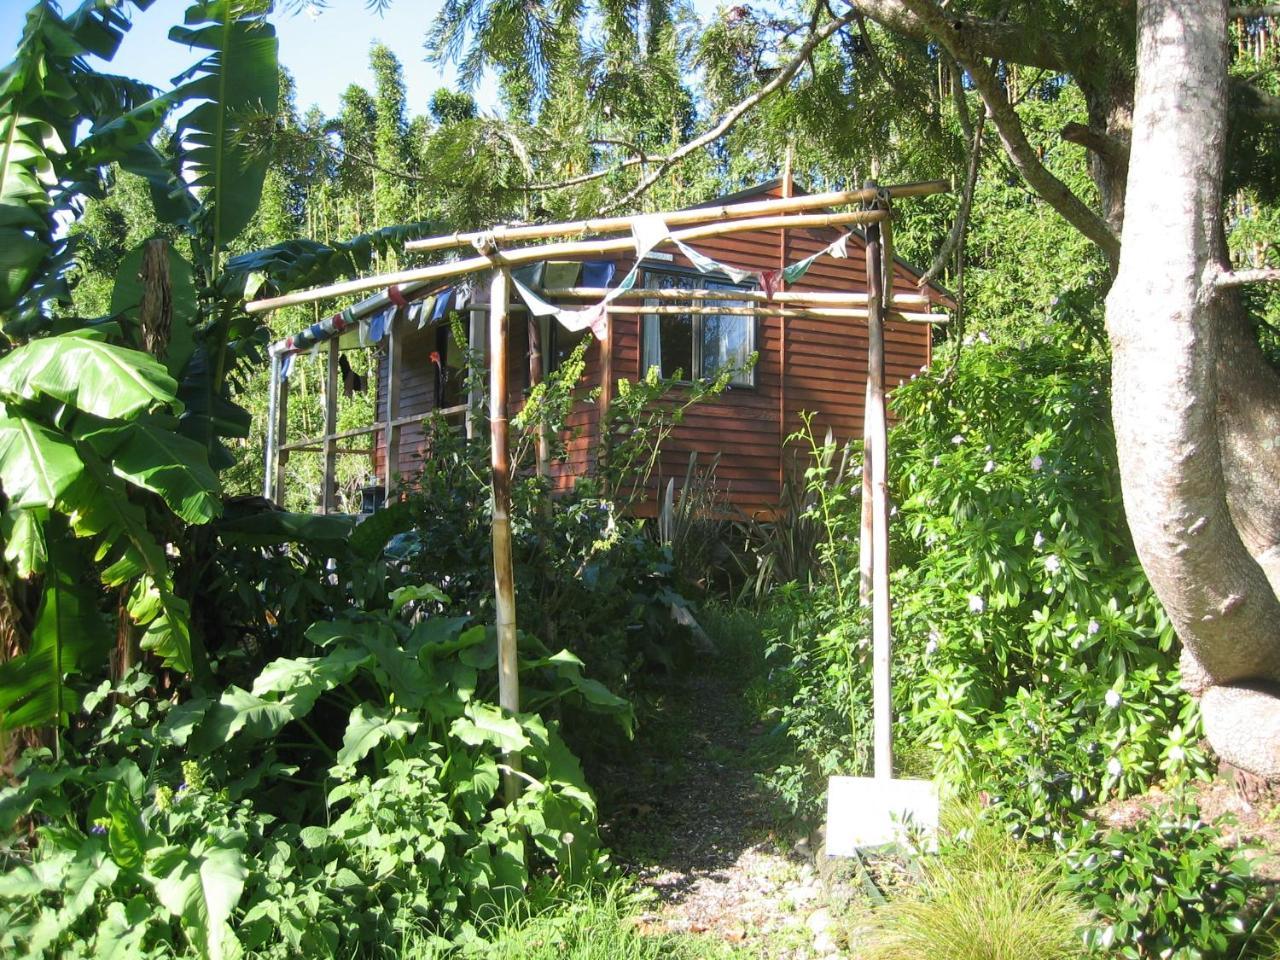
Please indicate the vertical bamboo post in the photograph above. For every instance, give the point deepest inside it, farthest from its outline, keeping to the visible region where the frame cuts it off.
(504, 585)
(282, 437)
(273, 442)
(788, 189)
(535, 378)
(864, 534)
(327, 494)
(475, 394)
(395, 358)
(881, 639)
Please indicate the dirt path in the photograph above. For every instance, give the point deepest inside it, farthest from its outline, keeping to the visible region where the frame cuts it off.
(689, 821)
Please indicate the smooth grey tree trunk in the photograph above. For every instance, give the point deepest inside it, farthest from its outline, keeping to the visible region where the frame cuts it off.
(1193, 399)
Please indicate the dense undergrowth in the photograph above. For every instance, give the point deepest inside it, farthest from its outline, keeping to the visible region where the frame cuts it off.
(1035, 674)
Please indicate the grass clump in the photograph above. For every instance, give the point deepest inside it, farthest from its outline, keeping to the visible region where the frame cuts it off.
(600, 923)
(984, 896)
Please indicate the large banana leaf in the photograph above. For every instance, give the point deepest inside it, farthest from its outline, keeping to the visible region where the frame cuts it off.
(22, 532)
(99, 507)
(306, 263)
(88, 374)
(36, 465)
(150, 454)
(69, 633)
(240, 85)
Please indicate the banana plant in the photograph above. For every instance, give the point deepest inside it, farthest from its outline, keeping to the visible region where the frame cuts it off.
(111, 429)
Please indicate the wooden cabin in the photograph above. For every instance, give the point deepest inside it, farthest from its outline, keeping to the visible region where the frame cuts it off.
(804, 363)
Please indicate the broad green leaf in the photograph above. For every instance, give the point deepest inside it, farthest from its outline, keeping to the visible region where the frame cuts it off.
(202, 889)
(22, 532)
(69, 634)
(123, 929)
(486, 724)
(149, 454)
(240, 711)
(403, 596)
(238, 81)
(300, 682)
(96, 377)
(36, 465)
(368, 727)
(126, 835)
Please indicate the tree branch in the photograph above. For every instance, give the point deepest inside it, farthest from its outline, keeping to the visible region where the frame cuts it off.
(1100, 142)
(1239, 278)
(1247, 98)
(1257, 10)
(986, 38)
(952, 242)
(1009, 126)
(734, 114)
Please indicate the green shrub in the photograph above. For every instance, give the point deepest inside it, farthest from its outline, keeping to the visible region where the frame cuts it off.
(1045, 668)
(346, 797)
(1170, 886)
(985, 896)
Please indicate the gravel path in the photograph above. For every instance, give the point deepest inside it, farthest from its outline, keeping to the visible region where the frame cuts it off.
(689, 821)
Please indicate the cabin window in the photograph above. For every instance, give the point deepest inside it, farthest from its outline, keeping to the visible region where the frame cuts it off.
(689, 345)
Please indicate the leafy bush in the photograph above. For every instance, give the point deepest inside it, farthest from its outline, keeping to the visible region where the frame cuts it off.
(345, 796)
(1047, 670)
(984, 897)
(1169, 886)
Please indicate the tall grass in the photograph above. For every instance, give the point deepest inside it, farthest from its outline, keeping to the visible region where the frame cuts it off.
(596, 924)
(984, 897)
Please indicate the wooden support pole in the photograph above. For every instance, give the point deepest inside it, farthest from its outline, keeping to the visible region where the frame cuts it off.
(504, 583)
(273, 442)
(534, 325)
(864, 534)
(395, 360)
(815, 201)
(881, 637)
(479, 350)
(328, 493)
(282, 439)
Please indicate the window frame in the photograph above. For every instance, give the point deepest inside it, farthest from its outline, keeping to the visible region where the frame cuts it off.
(695, 365)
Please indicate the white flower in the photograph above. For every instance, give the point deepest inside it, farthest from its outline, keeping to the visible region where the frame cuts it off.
(1115, 767)
(987, 448)
(1037, 463)
(982, 337)
(988, 466)
(1093, 627)
(1176, 754)
(937, 461)
(1113, 699)
(958, 438)
(932, 645)
(1038, 540)
(566, 838)
(967, 341)
(1052, 564)
(976, 603)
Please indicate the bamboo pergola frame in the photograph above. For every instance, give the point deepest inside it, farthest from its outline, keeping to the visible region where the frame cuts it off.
(873, 307)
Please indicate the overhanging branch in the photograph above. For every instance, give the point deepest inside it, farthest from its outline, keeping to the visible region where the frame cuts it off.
(1008, 125)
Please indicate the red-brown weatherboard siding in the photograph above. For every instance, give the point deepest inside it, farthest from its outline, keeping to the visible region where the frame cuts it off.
(826, 372)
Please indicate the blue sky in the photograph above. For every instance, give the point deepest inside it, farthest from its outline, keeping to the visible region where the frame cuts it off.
(325, 51)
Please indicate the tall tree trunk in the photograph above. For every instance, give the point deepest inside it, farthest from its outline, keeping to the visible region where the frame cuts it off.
(1184, 367)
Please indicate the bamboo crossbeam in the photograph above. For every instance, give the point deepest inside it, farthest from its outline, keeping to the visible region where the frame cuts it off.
(372, 428)
(553, 251)
(790, 297)
(815, 313)
(731, 211)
